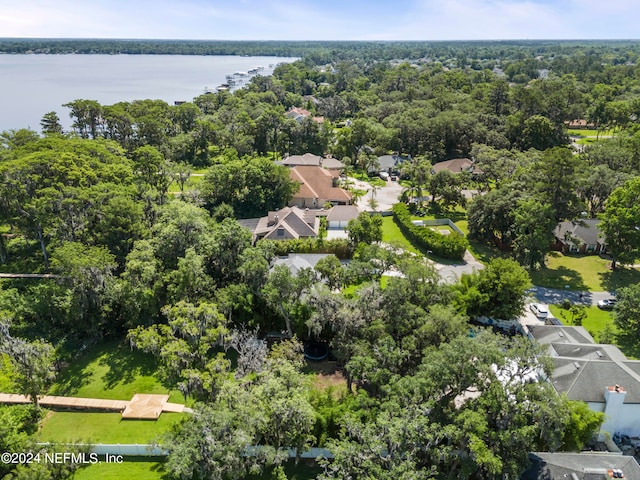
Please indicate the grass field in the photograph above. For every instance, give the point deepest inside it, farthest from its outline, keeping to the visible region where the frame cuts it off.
(140, 468)
(391, 234)
(582, 272)
(112, 371)
(596, 320)
(92, 427)
(589, 133)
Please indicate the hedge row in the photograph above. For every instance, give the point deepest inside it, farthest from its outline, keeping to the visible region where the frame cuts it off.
(450, 246)
(338, 246)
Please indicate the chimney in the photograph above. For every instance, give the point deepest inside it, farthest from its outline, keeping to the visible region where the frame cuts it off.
(614, 401)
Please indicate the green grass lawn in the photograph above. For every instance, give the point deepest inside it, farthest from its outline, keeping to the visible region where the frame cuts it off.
(596, 320)
(138, 468)
(589, 133)
(582, 272)
(94, 427)
(113, 371)
(391, 234)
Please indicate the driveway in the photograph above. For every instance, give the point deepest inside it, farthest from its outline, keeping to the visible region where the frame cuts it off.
(450, 273)
(386, 196)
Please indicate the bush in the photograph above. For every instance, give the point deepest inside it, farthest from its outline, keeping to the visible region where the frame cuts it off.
(338, 247)
(446, 246)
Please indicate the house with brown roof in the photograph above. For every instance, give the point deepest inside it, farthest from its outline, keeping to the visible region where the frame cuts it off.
(299, 114)
(456, 165)
(284, 224)
(309, 159)
(318, 186)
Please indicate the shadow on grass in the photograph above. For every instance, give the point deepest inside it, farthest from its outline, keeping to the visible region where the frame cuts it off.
(125, 365)
(621, 277)
(558, 278)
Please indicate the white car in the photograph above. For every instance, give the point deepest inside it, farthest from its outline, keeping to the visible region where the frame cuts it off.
(539, 310)
(384, 176)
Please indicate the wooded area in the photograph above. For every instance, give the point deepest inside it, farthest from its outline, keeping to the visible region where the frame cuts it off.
(141, 258)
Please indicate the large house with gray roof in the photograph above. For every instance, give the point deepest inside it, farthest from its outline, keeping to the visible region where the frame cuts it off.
(581, 466)
(597, 374)
(579, 236)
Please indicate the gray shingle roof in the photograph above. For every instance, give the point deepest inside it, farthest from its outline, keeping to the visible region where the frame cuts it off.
(585, 466)
(546, 334)
(585, 231)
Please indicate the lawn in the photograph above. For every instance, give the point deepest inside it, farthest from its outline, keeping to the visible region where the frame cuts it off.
(139, 468)
(589, 133)
(93, 427)
(112, 371)
(582, 272)
(596, 320)
(142, 469)
(391, 234)
(188, 186)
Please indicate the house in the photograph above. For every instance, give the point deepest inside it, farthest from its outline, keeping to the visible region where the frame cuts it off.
(579, 236)
(299, 114)
(284, 224)
(296, 262)
(456, 165)
(309, 159)
(581, 466)
(388, 163)
(340, 215)
(597, 374)
(579, 124)
(318, 186)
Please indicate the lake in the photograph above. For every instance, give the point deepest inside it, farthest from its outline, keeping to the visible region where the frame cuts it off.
(32, 85)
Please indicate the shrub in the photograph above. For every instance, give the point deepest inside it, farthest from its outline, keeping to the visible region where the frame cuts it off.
(450, 246)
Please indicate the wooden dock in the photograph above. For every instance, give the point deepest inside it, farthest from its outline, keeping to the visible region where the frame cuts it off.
(141, 406)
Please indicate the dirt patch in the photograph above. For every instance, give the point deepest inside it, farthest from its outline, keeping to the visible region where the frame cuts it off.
(328, 374)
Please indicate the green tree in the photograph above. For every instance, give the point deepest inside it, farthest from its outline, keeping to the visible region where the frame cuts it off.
(33, 363)
(533, 226)
(621, 223)
(50, 123)
(365, 228)
(496, 291)
(188, 348)
(626, 313)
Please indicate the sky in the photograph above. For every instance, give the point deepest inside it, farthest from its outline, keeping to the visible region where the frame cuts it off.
(321, 19)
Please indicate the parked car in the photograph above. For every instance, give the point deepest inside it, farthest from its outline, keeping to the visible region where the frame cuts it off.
(607, 304)
(384, 176)
(539, 310)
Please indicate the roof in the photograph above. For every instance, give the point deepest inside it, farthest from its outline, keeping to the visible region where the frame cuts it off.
(584, 231)
(309, 159)
(456, 165)
(283, 224)
(298, 114)
(586, 379)
(387, 162)
(580, 466)
(316, 182)
(546, 334)
(342, 213)
(298, 261)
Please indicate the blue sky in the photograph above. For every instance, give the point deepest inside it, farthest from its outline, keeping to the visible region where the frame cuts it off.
(322, 19)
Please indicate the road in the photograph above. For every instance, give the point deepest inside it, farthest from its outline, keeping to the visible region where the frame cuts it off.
(555, 296)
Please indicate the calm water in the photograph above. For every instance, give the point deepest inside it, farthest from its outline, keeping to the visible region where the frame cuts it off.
(32, 85)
